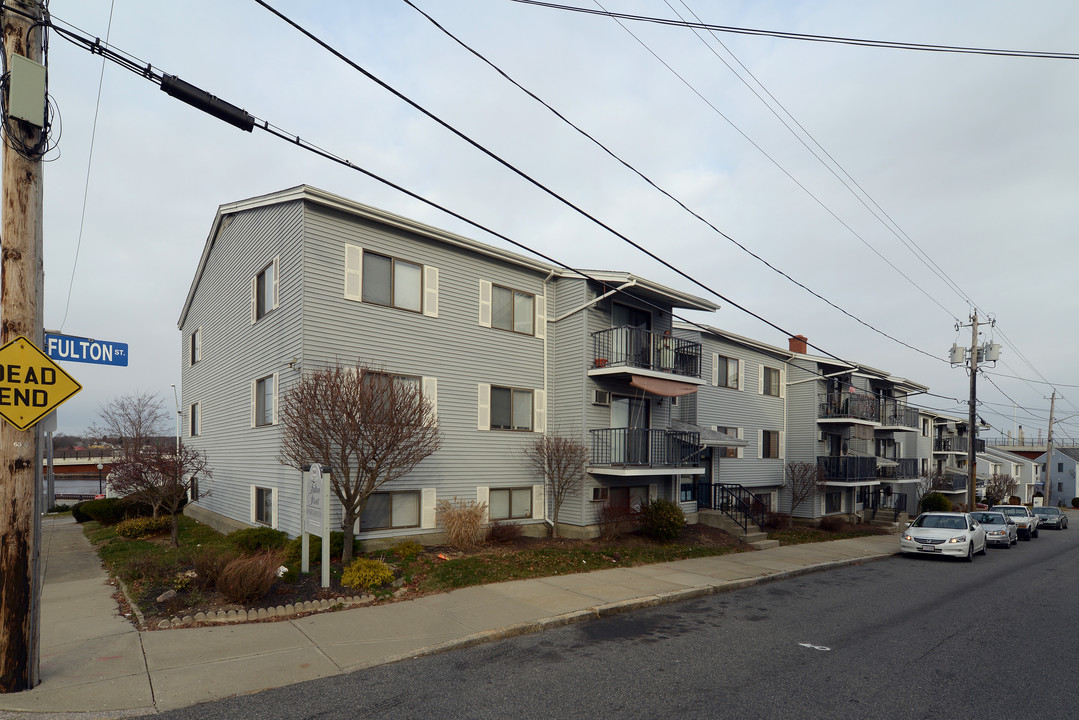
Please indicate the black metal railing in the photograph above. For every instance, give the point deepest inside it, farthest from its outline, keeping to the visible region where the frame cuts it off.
(740, 505)
(897, 414)
(903, 468)
(848, 468)
(636, 347)
(644, 447)
(849, 406)
(957, 445)
(881, 499)
(85, 454)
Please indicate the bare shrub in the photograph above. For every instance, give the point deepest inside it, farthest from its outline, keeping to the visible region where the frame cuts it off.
(463, 521)
(246, 579)
(832, 524)
(776, 520)
(503, 532)
(208, 566)
(616, 520)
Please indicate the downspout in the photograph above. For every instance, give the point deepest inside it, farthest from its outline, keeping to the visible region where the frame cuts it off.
(546, 392)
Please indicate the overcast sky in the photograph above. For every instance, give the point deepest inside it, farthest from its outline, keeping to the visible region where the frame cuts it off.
(973, 157)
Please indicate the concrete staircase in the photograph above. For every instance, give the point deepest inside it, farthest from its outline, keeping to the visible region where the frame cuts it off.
(889, 518)
(753, 537)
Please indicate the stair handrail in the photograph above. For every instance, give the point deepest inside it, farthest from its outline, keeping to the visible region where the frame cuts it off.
(749, 505)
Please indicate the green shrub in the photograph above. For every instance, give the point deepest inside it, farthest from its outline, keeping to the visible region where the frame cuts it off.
(142, 526)
(107, 511)
(59, 508)
(78, 514)
(406, 549)
(257, 539)
(366, 574)
(314, 554)
(662, 520)
(935, 502)
(209, 563)
(247, 579)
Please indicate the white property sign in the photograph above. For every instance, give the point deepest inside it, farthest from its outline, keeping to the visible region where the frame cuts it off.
(315, 519)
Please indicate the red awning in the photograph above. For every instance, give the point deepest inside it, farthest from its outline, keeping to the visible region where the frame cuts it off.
(659, 386)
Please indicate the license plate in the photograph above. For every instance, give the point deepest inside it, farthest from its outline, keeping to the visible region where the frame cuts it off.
(929, 548)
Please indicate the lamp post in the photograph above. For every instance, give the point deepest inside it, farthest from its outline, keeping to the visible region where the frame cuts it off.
(100, 467)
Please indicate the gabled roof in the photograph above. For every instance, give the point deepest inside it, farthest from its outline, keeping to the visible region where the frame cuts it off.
(309, 194)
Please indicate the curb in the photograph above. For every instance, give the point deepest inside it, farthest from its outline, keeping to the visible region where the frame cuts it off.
(597, 612)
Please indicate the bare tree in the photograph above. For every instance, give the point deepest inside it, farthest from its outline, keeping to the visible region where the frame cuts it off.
(930, 481)
(998, 488)
(369, 428)
(803, 481)
(131, 421)
(561, 462)
(161, 478)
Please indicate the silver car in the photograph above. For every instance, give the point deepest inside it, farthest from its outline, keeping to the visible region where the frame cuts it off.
(1051, 517)
(999, 528)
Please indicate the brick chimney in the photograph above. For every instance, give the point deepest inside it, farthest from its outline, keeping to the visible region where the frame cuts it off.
(798, 344)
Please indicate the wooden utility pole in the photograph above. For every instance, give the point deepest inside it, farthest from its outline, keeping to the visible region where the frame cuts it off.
(1048, 452)
(973, 416)
(20, 314)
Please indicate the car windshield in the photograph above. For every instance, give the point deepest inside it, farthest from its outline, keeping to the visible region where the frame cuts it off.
(1047, 511)
(946, 522)
(989, 518)
(1014, 511)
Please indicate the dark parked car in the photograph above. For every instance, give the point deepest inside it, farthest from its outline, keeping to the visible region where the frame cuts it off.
(1051, 517)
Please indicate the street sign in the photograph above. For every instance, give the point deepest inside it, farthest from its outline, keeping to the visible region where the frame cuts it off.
(85, 350)
(31, 385)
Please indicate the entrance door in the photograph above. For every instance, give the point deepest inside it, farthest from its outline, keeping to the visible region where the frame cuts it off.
(630, 419)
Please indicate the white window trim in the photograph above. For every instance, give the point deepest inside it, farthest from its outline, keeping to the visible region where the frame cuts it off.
(429, 390)
(428, 503)
(430, 291)
(485, 303)
(198, 419)
(274, 504)
(539, 411)
(540, 329)
(483, 414)
(276, 265)
(254, 399)
(483, 496)
(715, 371)
(354, 272)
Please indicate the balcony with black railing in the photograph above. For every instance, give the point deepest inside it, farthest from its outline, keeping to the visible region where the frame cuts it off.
(957, 445)
(898, 469)
(848, 406)
(848, 468)
(898, 414)
(631, 347)
(645, 448)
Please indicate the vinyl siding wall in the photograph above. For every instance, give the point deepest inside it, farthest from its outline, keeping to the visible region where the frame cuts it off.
(236, 352)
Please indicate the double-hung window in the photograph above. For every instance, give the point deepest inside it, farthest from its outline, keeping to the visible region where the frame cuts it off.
(726, 371)
(393, 282)
(511, 409)
(510, 503)
(264, 297)
(391, 510)
(769, 443)
(195, 348)
(264, 401)
(195, 420)
(512, 310)
(729, 452)
(771, 381)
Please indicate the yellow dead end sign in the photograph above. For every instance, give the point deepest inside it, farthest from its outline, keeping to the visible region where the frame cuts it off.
(31, 384)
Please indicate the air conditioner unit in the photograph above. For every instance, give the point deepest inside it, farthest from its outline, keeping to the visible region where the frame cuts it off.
(601, 397)
(821, 436)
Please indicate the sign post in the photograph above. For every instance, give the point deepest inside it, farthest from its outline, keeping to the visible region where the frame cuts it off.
(315, 518)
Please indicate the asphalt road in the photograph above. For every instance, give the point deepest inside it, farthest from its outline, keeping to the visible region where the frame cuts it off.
(921, 637)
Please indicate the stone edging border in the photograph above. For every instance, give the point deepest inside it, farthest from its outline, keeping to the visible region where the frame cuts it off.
(242, 616)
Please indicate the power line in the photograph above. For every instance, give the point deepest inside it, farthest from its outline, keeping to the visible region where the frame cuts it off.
(887, 44)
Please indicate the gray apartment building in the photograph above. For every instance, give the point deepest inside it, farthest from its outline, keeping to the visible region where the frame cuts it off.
(503, 346)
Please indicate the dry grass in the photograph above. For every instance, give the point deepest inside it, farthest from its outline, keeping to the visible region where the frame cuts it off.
(247, 579)
(463, 521)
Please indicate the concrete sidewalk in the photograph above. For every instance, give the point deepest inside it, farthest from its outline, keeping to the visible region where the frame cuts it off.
(95, 663)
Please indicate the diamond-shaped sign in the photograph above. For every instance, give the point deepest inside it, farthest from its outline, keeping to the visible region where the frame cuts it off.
(31, 384)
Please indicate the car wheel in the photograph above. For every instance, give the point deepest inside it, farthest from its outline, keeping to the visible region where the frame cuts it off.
(985, 547)
(970, 551)
(1015, 540)
(1025, 535)
(1034, 534)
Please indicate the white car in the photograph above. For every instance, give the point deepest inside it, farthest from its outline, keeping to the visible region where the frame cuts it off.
(1026, 522)
(944, 533)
